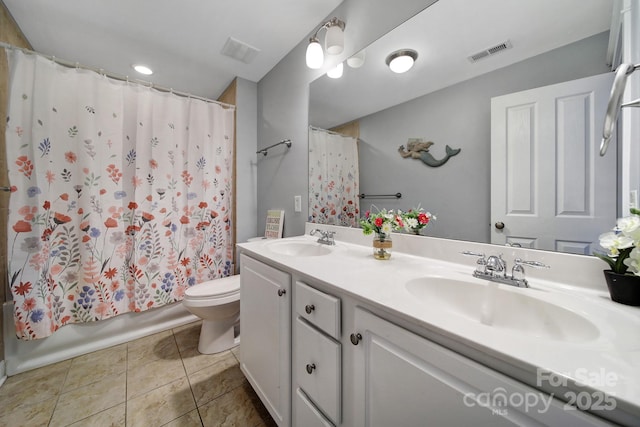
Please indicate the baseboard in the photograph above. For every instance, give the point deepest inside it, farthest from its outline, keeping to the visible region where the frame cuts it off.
(82, 338)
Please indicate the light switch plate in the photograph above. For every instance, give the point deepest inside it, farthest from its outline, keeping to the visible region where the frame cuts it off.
(297, 203)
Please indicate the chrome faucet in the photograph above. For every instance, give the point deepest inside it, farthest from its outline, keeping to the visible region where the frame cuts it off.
(494, 269)
(326, 237)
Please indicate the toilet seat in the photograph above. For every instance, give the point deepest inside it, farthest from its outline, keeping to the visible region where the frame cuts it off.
(217, 288)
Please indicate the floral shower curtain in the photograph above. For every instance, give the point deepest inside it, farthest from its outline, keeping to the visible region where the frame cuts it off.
(121, 195)
(333, 178)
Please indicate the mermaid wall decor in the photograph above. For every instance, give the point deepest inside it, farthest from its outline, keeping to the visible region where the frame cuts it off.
(418, 148)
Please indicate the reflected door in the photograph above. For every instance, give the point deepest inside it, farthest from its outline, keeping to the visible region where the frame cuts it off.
(550, 189)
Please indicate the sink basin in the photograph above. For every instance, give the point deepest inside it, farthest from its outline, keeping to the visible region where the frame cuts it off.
(499, 307)
(298, 248)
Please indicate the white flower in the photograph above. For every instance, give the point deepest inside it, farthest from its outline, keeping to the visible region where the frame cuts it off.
(386, 227)
(629, 226)
(410, 223)
(633, 262)
(613, 242)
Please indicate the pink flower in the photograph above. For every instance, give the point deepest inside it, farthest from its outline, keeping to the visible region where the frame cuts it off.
(70, 157)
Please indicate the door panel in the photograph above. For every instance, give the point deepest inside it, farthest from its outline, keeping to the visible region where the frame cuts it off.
(549, 186)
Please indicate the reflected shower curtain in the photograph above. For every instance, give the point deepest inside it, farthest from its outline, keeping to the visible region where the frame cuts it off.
(121, 195)
(333, 178)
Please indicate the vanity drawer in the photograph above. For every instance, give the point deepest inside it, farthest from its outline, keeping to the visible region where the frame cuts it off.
(318, 368)
(322, 310)
(307, 414)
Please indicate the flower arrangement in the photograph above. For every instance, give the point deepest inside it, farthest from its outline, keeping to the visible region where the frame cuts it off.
(382, 222)
(416, 219)
(622, 245)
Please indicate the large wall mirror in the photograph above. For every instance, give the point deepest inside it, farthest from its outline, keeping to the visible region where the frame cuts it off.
(518, 56)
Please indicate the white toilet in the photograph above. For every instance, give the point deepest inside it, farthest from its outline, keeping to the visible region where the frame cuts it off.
(217, 303)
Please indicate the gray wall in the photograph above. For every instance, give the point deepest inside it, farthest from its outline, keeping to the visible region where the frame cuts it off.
(246, 167)
(459, 191)
(283, 106)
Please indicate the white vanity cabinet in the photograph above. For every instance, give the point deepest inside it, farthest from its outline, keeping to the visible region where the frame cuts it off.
(321, 357)
(317, 358)
(402, 379)
(265, 346)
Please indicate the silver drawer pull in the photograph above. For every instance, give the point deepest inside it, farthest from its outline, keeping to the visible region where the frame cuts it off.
(310, 368)
(309, 308)
(356, 338)
(281, 292)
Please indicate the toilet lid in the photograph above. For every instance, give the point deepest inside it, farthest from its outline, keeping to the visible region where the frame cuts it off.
(215, 288)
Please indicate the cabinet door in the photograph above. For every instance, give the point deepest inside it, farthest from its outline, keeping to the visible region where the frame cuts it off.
(265, 327)
(402, 379)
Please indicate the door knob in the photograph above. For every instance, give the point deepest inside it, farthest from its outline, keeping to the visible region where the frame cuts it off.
(310, 368)
(309, 308)
(281, 292)
(355, 338)
(499, 225)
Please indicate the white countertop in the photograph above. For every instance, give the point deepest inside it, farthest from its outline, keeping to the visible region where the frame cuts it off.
(607, 359)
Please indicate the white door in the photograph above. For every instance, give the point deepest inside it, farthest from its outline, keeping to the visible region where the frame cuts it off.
(550, 189)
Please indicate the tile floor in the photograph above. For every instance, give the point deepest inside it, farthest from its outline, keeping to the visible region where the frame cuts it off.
(159, 380)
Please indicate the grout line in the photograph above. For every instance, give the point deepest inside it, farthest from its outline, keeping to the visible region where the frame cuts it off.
(59, 393)
(195, 402)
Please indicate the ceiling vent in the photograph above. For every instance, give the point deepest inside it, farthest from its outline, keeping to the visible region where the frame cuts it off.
(490, 51)
(239, 50)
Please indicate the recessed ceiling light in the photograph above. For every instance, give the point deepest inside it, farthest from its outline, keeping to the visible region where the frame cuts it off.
(143, 69)
(402, 60)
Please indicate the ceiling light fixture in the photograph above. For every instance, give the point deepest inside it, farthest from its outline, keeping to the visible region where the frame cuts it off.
(333, 43)
(143, 69)
(401, 60)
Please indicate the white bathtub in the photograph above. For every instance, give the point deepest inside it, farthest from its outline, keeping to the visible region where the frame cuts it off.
(81, 338)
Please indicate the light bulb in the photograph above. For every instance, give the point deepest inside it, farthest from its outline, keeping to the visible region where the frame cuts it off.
(401, 64)
(143, 69)
(336, 73)
(334, 40)
(315, 56)
(357, 60)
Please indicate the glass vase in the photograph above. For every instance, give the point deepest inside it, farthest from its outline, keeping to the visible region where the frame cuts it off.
(382, 245)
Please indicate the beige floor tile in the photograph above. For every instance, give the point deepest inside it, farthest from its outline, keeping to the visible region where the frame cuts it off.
(88, 400)
(216, 380)
(159, 346)
(152, 375)
(236, 352)
(93, 367)
(234, 409)
(21, 389)
(197, 323)
(28, 415)
(192, 419)
(195, 361)
(187, 336)
(112, 417)
(160, 406)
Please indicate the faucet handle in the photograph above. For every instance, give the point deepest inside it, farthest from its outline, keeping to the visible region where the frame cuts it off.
(481, 266)
(470, 253)
(535, 264)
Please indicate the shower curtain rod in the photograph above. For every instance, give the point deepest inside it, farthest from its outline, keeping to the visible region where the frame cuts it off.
(326, 130)
(101, 71)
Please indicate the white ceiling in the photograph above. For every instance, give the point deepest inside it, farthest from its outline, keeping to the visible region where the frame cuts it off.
(180, 40)
(444, 35)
